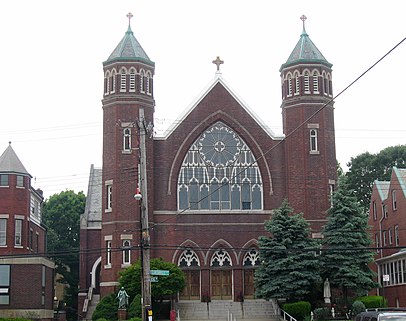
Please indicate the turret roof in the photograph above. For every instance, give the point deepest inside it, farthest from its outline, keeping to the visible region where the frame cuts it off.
(128, 49)
(10, 163)
(305, 51)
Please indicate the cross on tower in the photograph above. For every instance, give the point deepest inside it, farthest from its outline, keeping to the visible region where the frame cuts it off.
(303, 18)
(129, 16)
(218, 62)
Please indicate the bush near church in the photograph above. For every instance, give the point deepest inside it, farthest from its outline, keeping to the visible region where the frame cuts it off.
(373, 301)
(299, 310)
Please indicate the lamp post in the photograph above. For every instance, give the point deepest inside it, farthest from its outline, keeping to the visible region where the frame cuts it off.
(141, 197)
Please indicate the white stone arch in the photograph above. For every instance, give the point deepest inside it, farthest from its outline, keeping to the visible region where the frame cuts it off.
(249, 244)
(224, 245)
(306, 80)
(185, 245)
(93, 272)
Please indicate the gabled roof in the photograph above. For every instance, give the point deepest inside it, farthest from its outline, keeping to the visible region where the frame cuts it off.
(91, 218)
(10, 163)
(401, 175)
(218, 80)
(305, 51)
(383, 189)
(129, 49)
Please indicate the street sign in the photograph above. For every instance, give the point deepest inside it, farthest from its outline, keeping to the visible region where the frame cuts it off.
(159, 272)
(154, 279)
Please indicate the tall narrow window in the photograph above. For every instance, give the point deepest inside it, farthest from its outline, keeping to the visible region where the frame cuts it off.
(43, 283)
(330, 86)
(142, 80)
(126, 252)
(18, 229)
(113, 82)
(331, 190)
(123, 81)
(107, 83)
(377, 242)
(132, 81)
(30, 239)
(313, 140)
(127, 139)
(3, 180)
(315, 82)
(109, 196)
(384, 237)
(390, 236)
(325, 84)
(108, 252)
(384, 210)
(394, 203)
(20, 181)
(3, 231)
(397, 236)
(297, 84)
(289, 85)
(374, 212)
(147, 81)
(306, 82)
(37, 242)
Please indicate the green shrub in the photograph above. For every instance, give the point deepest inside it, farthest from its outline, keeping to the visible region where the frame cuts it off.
(14, 319)
(135, 308)
(135, 319)
(357, 307)
(106, 308)
(321, 314)
(373, 301)
(298, 310)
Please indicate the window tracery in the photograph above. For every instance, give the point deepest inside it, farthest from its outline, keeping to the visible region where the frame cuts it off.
(221, 258)
(219, 172)
(251, 258)
(188, 258)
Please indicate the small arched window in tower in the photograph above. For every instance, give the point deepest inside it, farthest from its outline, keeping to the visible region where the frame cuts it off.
(325, 84)
(123, 81)
(148, 84)
(127, 140)
(289, 85)
(107, 83)
(142, 81)
(330, 86)
(306, 82)
(313, 140)
(126, 252)
(297, 84)
(132, 81)
(113, 82)
(315, 82)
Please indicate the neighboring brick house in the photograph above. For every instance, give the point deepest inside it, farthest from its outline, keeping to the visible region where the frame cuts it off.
(26, 276)
(214, 177)
(388, 221)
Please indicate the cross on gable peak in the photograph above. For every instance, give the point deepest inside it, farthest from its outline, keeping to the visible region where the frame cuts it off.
(218, 62)
(129, 16)
(303, 18)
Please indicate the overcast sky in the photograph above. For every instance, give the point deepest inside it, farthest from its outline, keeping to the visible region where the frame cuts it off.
(52, 77)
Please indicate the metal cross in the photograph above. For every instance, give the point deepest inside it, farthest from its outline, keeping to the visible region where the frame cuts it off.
(129, 16)
(303, 18)
(218, 62)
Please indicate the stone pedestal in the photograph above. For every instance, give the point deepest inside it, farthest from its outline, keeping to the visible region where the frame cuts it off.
(122, 314)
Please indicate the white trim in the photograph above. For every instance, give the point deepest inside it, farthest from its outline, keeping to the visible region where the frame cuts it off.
(93, 273)
(113, 283)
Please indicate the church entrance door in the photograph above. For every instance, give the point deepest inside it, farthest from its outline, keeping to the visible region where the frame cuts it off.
(249, 289)
(192, 286)
(221, 285)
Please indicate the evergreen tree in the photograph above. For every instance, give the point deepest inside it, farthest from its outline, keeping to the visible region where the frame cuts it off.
(346, 243)
(289, 267)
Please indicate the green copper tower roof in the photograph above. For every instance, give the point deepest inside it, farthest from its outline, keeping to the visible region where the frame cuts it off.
(129, 49)
(305, 51)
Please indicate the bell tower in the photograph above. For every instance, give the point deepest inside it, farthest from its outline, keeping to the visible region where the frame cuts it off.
(308, 125)
(128, 93)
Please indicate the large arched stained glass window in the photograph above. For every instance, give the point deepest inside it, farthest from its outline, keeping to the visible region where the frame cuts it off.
(219, 172)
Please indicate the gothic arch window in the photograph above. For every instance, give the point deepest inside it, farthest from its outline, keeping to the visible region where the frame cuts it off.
(107, 83)
(306, 82)
(251, 258)
(132, 80)
(297, 83)
(220, 258)
(113, 82)
(315, 82)
(123, 80)
(188, 258)
(330, 85)
(313, 140)
(325, 84)
(219, 172)
(142, 81)
(148, 82)
(127, 139)
(126, 252)
(290, 85)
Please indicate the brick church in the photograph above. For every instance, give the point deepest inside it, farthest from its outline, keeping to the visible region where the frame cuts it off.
(213, 178)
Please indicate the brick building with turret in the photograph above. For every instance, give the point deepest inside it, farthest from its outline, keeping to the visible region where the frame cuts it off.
(212, 179)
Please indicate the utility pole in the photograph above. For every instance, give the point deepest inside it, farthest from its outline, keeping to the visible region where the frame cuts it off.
(145, 238)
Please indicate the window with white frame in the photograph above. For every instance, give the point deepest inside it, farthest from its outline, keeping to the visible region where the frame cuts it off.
(325, 84)
(109, 196)
(219, 172)
(330, 86)
(377, 242)
(306, 82)
(384, 210)
(384, 237)
(108, 253)
(20, 181)
(390, 236)
(3, 231)
(4, 284)
(394, 203)
(315, 82)
(313, 140)
(127, 139)
(289, 85)
(221, 258)
(331, 193)
(113, 82)
(126, 252)
(18, 232)
(374, 211)
(297, 84)
(123, 81)
(397, 235)
(3, 179)
(142, 81)
(132, 81)
(147, 81)
(107, 83)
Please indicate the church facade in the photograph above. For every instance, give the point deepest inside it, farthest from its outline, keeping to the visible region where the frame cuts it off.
(211, 181)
